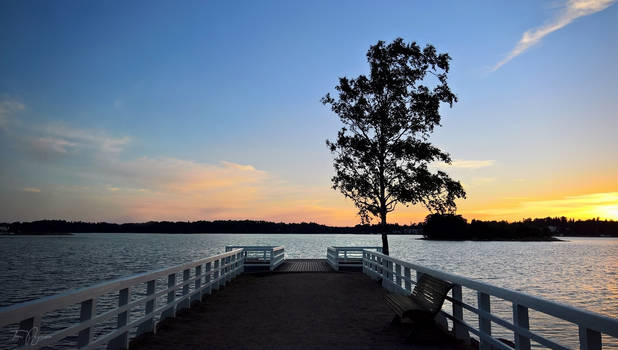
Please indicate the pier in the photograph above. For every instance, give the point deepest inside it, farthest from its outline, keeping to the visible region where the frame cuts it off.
(251, 297)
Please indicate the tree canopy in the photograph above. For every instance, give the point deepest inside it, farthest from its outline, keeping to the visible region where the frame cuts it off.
(383, 153)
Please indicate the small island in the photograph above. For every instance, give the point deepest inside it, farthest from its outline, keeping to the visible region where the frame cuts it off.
(451, 227)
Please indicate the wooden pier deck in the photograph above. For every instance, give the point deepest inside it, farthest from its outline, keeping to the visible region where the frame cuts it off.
(293, 311)
(304, 265)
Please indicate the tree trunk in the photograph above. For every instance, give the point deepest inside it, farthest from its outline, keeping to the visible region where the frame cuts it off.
(384, 236)
(384, 243)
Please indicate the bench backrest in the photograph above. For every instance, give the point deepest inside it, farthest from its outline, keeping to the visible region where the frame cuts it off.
(430, 292)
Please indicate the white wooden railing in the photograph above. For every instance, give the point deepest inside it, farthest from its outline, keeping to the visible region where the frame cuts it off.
(205, 275)
(347, 256)
(261, 256)
(396, 276)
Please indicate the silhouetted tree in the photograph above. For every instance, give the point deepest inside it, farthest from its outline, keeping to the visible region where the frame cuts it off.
(445, 227)
(382, 152)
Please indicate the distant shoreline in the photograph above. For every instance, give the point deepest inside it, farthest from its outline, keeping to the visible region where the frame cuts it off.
(37, 234)
(547, 229)
(416, 236)
(504, 239)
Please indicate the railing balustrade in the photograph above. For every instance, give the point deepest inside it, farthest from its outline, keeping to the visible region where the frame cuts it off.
(261, 256)
(351, 257)
(396, 276)
(205, 275)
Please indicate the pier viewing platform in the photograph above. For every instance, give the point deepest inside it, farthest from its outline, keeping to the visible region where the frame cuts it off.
(251, 297)
(312, 310)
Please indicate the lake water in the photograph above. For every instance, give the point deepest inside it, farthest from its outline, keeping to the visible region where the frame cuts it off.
(582, 272)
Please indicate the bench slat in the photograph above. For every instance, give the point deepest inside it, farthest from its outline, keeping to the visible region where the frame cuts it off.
(431, 292)
(426, 298)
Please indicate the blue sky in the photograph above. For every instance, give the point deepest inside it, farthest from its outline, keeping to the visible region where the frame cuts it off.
(108, 107)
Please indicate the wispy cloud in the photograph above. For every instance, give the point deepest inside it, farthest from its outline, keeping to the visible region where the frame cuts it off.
(472, 164)
(179, 175)
(86, 138)
(571, 10)
(177, 189)
(467, 164)
(7, 108)
(50, 141)
(479, 181)
(51, 146)
(54, 139)
(31, 189)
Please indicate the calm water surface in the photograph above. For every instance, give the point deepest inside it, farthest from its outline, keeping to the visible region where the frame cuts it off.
(581, 272)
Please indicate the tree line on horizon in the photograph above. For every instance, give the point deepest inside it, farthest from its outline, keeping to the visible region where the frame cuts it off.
(455, 227)
(216, 226)
(436, 226)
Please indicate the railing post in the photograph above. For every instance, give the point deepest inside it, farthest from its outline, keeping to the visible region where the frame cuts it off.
(148, 325)
(121, 341)
(484, 322)
(234, 265)
(520, 319)
(398, 275)
(337, 258)
(197, 291)
(408, 275)
(458, 328)
(28, 331)
(216, 273)
(241, 262)
(208, 278)
(374, 264)
(220, 273)
(363, 261)
(389, 270)
(226, 270)
(185, 303)
(88, 310)
(589, 339)
(171, 296)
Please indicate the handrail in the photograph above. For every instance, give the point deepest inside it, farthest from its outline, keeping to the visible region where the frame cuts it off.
(351, 257)
(209, 273)
(252, 247)
(396, 276)
(342, 248)
(261, 256)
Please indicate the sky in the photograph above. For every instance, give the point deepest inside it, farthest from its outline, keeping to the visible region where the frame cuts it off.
(161, 110)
